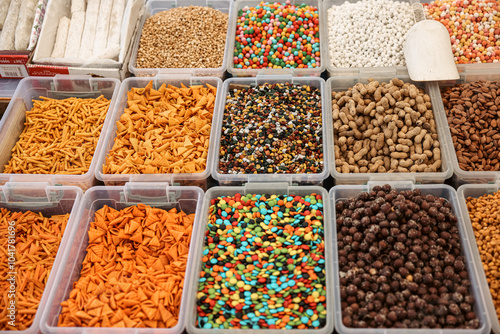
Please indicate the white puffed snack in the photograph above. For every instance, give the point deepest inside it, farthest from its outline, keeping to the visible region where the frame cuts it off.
(61, 38)
(368, 33)
(115, 22)
(7, 38)
(75, 35)
(89, 32)
(101, 36)
(77, 6)
(4, 8)
(25, 23)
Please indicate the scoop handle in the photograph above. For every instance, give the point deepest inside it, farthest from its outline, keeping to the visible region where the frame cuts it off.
(418, 12)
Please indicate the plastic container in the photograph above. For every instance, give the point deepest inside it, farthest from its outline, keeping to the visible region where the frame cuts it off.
(155, 6)
(158, 195)
(58, 87)
(182, 178)
(486, 67)
(303, 178)
(297, 72)
(445, 191)
(259, 188)
(338, 84)
(41, 63)
(7, 89)
(470, 74)
(475, 191)
(49, 200)
(350, 71)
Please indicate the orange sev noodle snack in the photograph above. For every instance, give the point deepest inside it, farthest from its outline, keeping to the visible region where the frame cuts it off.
(163, 131)
(133, 272)
(37, 240)
(59, 136)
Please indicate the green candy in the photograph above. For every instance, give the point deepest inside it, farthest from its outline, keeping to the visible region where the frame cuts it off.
(276, 251)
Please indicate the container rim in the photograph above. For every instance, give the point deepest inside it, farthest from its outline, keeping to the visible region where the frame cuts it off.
(155, 6)
(316, 71)
(127, 84)
(269, 188)
(466, 72)
(427, 177)
(66, 240)
(466, 252)
(291, 178)
(84, 219)
(483, 283)
(84, 180)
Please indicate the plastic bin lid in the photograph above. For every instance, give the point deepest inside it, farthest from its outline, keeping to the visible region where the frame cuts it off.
(8, 87)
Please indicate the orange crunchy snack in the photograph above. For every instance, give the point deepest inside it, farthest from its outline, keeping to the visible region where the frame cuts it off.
(163, 131)
(133, 273)
(37, 240)
(59, 137)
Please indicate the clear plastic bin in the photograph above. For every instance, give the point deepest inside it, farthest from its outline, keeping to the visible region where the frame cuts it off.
(155, 6)
(475, 191)
(259, 188)
(297, 72)
(351, 71)
(339, 83)
(464, 68)
(7, 89)
(58, 87)
(158, 195)
(445, 191)
(303, 178)
(469, 74)
(49, 200)
(182, 178)
(486, 67)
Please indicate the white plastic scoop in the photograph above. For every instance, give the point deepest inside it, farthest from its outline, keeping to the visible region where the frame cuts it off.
(427, 50)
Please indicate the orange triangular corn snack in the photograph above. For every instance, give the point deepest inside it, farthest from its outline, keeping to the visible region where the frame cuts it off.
(133, 273)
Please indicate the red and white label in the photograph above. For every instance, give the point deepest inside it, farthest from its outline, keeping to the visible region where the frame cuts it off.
(13, 71)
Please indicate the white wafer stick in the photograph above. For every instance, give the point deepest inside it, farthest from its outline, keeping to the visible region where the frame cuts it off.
(101, 35)
(89, 32)
(25, 23)
(75, 35)
(61, 38)
(115, 22)
(8, 36)
(4, 8)
(77, 6)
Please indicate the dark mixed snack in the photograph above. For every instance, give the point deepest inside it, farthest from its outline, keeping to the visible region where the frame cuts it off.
(400, 262)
